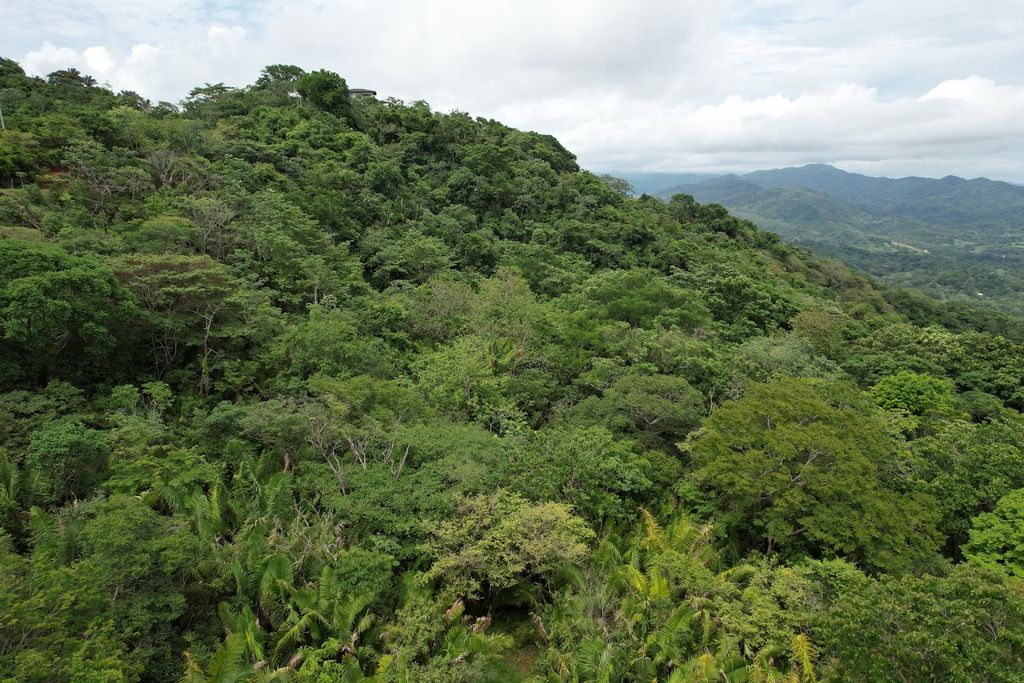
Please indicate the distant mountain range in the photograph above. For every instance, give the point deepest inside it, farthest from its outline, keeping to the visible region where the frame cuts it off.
(656, 183)
(950, 237)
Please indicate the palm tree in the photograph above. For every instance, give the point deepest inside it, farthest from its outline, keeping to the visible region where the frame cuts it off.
(213, 513)
(801, 665)
(326, 616)
(263, 491)
(467, 636)
(57, 537)
(11, 492)
(724, 665)
(627, 617)
(228, 665)
(680, 535)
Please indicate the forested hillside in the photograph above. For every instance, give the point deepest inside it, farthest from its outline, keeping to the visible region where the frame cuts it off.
(958, 240)
(296, 385)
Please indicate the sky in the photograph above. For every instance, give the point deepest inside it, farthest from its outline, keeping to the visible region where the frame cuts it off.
(884, 87)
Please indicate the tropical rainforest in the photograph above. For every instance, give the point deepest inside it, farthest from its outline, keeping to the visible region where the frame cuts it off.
(302, 385)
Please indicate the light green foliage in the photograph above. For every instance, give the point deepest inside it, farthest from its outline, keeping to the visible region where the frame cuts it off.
(104, 175)
(163, 475)
(744, 304)
(369, 416)
(438, 309)
(505, 308)
(652, 606)
(891, 349)
(470, 378)
(432, 639)
(494, 542)
(919, 402)
(822, 329)
(913, 394)
(785, 356)
(770, 606)
(641, 299)
(165, 234)
(330, 340)
(23, 412)
(997, 537)
(408, 255)
(395, 502)
(652, 408)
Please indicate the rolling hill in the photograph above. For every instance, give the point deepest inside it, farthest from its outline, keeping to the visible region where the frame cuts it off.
(298, 386)
(951, 237)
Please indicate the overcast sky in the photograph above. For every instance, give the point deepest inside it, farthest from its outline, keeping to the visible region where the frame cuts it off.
(886, 87)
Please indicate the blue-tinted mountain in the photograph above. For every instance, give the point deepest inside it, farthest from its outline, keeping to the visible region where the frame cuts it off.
(657, 183)
(952, 237)
(950, 201)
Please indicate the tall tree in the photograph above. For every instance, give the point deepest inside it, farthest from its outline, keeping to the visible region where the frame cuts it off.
(807, 466)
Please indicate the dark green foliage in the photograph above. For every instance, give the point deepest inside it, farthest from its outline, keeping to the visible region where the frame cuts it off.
(805, 466)
(62, 316)
(586, 468)
(67, 460)
(300, 386)
(119, 568)
(969, 468)
(960, 627)
(325, 90)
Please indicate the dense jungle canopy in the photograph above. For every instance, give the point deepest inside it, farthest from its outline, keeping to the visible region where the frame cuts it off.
(296, 385)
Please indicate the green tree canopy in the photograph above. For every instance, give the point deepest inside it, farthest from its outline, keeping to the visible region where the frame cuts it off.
(61, 316)
(997, 537)
(495, 542)
(806, 466)
(326, 90)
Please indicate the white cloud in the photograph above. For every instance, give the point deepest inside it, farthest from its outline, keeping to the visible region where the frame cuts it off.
(959, 124)
(49, 57)
(166, 70)
(908, 87)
